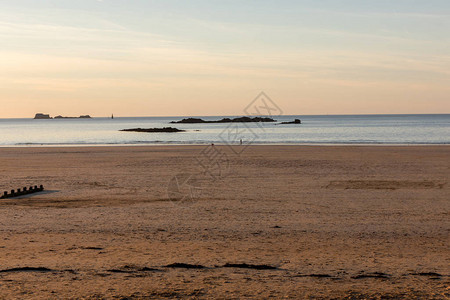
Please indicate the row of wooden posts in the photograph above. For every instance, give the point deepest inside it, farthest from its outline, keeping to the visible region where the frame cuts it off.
(24, 191)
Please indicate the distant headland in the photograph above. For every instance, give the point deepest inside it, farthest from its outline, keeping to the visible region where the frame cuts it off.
(46, 116)
(225, 120)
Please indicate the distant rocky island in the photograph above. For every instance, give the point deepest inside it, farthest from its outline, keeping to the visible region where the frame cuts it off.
(225, 120)
(80, 117)
(296, 121)
(46, 116)
(164, 129)
(42, 116)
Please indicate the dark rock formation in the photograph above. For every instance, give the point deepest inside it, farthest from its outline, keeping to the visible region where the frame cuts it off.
(226, 120)
(45, 116)
(165, 129)
(296, 121)
(80, 117)
(41, 116)
(190, 120)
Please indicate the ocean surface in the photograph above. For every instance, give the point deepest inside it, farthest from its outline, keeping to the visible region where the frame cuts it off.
(329, 129)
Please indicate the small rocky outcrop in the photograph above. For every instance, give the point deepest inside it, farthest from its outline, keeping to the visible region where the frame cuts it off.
(41, 116)
(190, 121)
(164, 129)
(46, 116)
(226, 120)
(296, 121)
(80, 117)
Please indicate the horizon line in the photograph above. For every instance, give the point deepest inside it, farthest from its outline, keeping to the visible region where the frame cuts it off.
(189, 116)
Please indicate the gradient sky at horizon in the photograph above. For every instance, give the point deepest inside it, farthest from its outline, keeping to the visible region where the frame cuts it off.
(156, 58)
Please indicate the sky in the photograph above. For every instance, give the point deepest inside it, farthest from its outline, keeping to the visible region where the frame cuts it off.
(209, 57)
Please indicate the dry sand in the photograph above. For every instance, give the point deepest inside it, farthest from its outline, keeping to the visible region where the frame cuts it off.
(335, 222)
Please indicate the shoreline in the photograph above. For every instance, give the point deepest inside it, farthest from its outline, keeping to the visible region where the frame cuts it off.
(225, 145)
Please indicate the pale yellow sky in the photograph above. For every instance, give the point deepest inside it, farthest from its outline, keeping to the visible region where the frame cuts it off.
(164, 58)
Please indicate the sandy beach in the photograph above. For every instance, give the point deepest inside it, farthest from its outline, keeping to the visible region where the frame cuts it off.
(314, 222)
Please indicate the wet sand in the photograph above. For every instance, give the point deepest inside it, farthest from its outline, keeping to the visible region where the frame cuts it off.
(275, 221)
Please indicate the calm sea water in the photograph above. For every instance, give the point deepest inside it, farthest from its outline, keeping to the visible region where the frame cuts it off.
(349, 129)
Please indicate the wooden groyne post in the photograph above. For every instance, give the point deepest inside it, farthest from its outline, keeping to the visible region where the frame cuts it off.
(24, 191)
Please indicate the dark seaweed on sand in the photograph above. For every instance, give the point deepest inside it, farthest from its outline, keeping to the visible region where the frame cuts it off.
(185, 266)
(315, 275)
(372, 275)
(26, 269)
(249, 266)
(427, 274)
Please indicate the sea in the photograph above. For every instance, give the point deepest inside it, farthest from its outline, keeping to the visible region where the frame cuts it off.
(418, 129)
